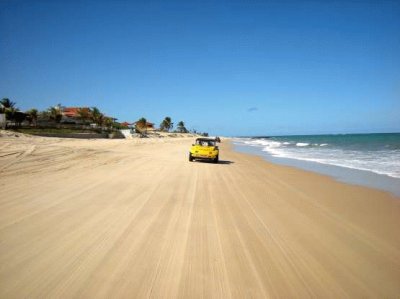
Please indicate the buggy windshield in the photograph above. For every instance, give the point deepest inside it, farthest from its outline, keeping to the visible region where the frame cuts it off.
(205, 142)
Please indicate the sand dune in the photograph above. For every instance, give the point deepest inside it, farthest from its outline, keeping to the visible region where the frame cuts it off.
(135, 219)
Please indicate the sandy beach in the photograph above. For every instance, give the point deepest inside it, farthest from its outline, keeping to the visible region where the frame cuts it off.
(135, 219)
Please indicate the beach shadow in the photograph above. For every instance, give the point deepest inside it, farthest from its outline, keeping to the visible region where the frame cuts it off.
(225, 162)
(220, 162)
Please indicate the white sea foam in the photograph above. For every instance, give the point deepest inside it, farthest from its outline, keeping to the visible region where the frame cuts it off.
(385, 162)
(263, 142)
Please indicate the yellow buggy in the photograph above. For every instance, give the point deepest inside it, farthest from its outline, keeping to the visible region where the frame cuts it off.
(204, 149)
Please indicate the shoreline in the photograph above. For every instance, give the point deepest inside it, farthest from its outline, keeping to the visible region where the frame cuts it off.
(343, 174)
(124, 218)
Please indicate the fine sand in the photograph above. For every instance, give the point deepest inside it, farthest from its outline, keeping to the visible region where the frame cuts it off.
(135, 219)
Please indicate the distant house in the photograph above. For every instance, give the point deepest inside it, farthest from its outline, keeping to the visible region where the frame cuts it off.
(72, 114)
(126, 124)
(70, 111)
(149, 126)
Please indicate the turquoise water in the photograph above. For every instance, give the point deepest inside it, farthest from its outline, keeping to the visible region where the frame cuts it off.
(360, 154)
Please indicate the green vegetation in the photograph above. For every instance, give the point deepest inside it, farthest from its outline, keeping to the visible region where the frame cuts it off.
(141, 126)
(55, 113)
(11, 112)
(97, 116)
(7, 106)
(54, 120)
(181, 127)
(32, 116)
(141, 123)
(166, 124)
(43, 115)
(118, 126)
(84, 115)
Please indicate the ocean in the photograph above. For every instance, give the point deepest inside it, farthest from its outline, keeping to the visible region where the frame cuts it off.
(365, 159)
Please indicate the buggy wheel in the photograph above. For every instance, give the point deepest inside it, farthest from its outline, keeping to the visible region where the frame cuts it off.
(216, 159)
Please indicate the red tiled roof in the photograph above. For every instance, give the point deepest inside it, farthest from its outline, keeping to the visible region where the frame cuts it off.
(72, 111)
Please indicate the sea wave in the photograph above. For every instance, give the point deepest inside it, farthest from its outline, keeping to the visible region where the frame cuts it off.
(386, 162)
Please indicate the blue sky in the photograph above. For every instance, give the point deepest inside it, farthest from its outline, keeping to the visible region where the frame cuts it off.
(224, 67)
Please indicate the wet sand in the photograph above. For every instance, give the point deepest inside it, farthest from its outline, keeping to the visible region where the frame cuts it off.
(135, 219)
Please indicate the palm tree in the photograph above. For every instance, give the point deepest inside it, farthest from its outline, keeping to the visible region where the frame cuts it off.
(141, 125)
(55, 113)
(181, 127)
(8, 107)
(166, 124)
(108, 121)
(7, 104)
(97, 116)
(44, 115)
(33, 116)
(84, 114)
(19, 117)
